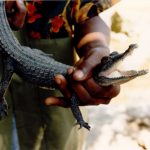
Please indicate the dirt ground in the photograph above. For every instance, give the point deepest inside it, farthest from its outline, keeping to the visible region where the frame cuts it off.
(118, 125)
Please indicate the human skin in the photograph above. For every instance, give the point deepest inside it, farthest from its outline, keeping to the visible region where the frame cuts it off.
(81, 81)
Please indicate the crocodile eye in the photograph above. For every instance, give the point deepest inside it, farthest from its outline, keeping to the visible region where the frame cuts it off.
(114, 53)
(105, 60)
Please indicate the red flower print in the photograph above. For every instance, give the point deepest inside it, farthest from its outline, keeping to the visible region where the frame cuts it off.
(31, 11)
(57, 23)
(33, 18)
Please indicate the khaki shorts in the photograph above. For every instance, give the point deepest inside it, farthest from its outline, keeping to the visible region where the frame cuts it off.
(40, 127)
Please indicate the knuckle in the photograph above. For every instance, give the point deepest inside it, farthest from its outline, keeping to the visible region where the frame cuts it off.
(86, 101)
(21, 7)
(95, 93)
(96, 103)
(85, 65)
(106, 101)
(115, 91)
(23, 11)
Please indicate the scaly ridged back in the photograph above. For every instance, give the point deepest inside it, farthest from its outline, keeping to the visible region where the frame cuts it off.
(30, 64)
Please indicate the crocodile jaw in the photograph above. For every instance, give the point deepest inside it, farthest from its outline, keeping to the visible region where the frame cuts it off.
(122, 77)
(109, 75)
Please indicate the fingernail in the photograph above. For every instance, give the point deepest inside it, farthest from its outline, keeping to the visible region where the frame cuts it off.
(70, 70)
(78, 74)
(58, 81)
(49, 101)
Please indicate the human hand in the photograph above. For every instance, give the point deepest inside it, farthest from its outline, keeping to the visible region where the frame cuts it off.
(91, 48)
(91, 40)
(90, 59)
(16, 12)
(88, 92)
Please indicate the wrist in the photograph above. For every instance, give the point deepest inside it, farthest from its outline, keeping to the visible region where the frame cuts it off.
(89, 31)
(90, 54)
(91, 37)
(93, 46)
(94, 24)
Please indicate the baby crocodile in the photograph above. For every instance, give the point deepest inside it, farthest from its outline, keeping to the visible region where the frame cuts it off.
(38, 68)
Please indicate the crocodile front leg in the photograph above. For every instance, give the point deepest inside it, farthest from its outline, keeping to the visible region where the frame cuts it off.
(8, 70)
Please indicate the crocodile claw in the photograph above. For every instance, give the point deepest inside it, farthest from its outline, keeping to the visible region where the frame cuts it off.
(83, 124)
(3, 109)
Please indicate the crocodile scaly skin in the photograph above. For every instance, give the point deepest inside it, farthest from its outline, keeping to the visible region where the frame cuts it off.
(32, 65)
(38, 68)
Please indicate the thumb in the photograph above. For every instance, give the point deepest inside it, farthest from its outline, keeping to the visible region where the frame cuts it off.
(82, 70)
(85, 65)
(56, 101)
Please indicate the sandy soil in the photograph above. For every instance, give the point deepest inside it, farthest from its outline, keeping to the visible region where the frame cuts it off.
(135, 94)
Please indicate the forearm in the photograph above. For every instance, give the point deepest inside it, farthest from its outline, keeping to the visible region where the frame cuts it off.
(90, 34)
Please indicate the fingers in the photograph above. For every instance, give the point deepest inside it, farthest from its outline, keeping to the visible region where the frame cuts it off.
(56, 101)
(21, 14)
(16, 13)
(86, 64)
(84, 92)
(86, 96)
(98, 91)
(61, 101)
(9, 5)
(88, 92)
(62, 85)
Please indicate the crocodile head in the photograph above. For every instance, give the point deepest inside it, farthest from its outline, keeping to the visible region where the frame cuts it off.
(103, 73)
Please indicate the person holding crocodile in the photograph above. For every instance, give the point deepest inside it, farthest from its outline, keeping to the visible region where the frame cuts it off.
(46, 25)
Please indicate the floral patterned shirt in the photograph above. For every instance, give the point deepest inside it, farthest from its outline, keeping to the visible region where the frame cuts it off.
(56, 18)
